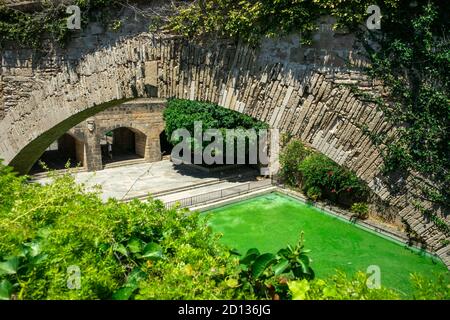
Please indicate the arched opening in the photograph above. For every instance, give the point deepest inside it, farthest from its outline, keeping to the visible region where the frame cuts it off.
(122, 144)
(166, 146)
(66, 150)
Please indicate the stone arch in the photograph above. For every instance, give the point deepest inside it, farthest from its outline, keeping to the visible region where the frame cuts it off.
(67, 147)
(137, 142)
(306, 101)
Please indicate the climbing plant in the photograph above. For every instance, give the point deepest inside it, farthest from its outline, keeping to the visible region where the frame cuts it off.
(29, 29)
(412, 58)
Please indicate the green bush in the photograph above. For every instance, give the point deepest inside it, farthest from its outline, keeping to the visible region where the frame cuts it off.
(361, 210)
(123, 250)
(318, 176)
(290, 159)
(182, 114)
(333, 180)
(314, 193)
(342, 287)
(339, 287)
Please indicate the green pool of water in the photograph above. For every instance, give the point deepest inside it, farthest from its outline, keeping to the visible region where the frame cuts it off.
(271, 221)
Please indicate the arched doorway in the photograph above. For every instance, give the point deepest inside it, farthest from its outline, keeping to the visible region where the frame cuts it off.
(65, 151)
(122, 144)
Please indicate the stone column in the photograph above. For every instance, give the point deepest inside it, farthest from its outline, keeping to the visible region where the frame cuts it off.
(93, 149)
(153, 147)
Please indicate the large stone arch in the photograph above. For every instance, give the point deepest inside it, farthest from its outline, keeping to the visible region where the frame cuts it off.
(300, 97)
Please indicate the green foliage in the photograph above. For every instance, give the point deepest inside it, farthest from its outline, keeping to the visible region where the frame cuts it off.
(437, 288)
(333, 180)
(361, 210)
(266, 274)
(411, 57)
(342, 287)
(246, 20)
(28, 29)
(293, 153)
(319, 176)
(124, 250)
(339, 287)
(182, 114)
(314, 193)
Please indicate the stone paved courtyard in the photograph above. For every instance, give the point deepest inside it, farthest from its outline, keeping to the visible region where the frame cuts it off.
(139, 180)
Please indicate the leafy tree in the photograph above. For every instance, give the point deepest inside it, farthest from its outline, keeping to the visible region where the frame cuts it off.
(182, 114)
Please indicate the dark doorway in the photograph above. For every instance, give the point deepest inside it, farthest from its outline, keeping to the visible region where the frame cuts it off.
(166, 146)
(122, 144)
(67, 151)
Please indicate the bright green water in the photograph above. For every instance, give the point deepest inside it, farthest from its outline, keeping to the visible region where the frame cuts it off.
(272, 221)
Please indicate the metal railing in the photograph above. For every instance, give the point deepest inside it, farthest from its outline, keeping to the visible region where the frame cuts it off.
(219, 194)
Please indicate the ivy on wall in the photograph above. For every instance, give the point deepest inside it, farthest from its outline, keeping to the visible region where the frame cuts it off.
(28, 29)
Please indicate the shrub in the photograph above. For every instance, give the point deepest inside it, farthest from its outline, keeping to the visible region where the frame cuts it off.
(437, 288)
(335, 183)
(290, 159)
(123, 250)
(314, 193)
(361, 210)
(319, 176)
(339, 287)
(182, 114)
(342, 287)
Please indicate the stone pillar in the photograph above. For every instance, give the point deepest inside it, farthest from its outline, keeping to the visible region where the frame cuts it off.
(153, 148)
(80, 152)
(93, 149)
(140, 144)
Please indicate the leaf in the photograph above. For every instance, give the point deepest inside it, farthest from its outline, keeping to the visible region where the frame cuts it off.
(281, 266)
(5, 290)
(232, 282)
(35, 249)
(235, 252)
(250, 256)
(135, 277)
(124, 293)
(284, 252)
(152, 251)
(262, 263)
(121, 249)
(135, 245)
(10, 266)
(299, 289)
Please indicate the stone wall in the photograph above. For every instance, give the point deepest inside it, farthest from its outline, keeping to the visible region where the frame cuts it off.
(298, 89)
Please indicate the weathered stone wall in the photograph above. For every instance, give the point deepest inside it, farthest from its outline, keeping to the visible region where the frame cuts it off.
(292, 87)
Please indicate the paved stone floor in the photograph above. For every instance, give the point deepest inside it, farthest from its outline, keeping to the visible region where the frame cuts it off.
(139, 180)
